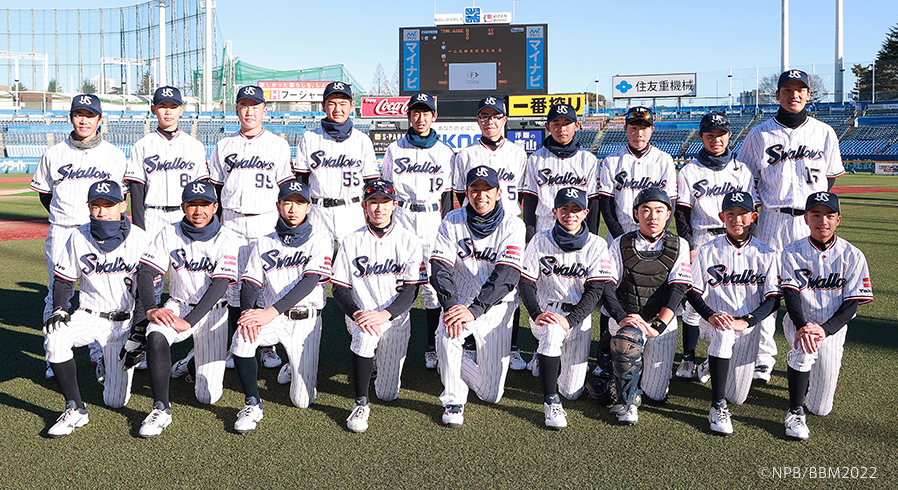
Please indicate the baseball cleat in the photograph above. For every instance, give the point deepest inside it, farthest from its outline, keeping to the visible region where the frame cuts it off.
(797, 427)
(630, 417)
(619, 408)
(686, 369)
(180, 367)
(556, 417)
(285, 375)
(762, 374)
(101, 370)
(156, 421)
(516, 362)
(248, 418)
(454, 416)
(49, 374)
(533, 366)
(229, 361)
(703, 372)
(70, 419)
(358, 418)
(270, 358)
(721, 421)
(430, 359)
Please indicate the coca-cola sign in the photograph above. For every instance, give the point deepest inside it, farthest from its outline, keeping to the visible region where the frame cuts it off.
(386, 107)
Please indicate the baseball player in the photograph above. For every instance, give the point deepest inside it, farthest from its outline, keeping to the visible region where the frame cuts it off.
(62, 179)
(825, 278)
(509, 161)
(734, 287)
(701, 185)
(650, 267)
(475, 268)
(564, 273)
(289, 267)
(376, 276)
(791, 156)
(200, 255)
(102, 256)
(420, 168)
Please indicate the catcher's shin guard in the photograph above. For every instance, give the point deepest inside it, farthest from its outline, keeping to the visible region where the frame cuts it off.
(626, 351)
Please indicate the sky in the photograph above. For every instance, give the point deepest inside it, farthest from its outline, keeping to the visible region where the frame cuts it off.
(587, 39)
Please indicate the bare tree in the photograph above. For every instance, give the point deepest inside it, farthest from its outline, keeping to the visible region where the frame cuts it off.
(394, 81)
(380, 85)
(768, 88)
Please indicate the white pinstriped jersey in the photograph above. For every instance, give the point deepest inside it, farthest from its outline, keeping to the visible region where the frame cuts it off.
(791, 164)
(108, 281)
(192, 264)
(338, 169)
(560, 276)
(474, 260)
(735, 280)
(374, 267)
(546, 173)
(276, 268)
(623, 176)
(165, 167)
(67, 173)
(701, 189)
(508, 160)
(681, 272)
(825, 278)
(419, 175)
(250, 170)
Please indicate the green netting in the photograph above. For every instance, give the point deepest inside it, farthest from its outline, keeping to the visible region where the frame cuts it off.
(241, 73)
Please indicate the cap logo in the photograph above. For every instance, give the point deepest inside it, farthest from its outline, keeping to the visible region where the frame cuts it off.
(822, 197)
(574, 193)
(249, 91)
(167, 92)
(561, 109)
(717, 119)
(422, 97)
(490, 100)
(482, 172)
(339, 86)
(794, 74)
(296, 186)
(102, 187)
(85, 99)
(737, 197)
(198, 188)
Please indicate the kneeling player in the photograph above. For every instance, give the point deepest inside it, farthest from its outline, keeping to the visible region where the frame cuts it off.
(376, 276)
(565, 270)
(735, 286)
(825, 278)
(103, 256)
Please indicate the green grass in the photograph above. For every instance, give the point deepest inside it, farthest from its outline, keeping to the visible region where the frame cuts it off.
(500, 446)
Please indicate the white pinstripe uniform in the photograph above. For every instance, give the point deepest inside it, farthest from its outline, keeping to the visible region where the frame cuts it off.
(473, 261)
(250, 171)
(825, 278)
(546, 174)
(276, 268)
(107, 283)
(338, 171)
(508, 160)
(373, 267)
(192, 266)
(420, 177)
(623, 175)
(560, 278)
(658, 355)
(735, 280)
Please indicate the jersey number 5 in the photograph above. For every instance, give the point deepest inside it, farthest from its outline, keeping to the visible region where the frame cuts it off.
(351, 179)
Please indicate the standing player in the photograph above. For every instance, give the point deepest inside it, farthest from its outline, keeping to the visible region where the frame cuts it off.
(475, 267)
(103, 257)
(420, 168)
(376, 276)
(825, 278)
(702, 184)
(791, 156)
(735, 286)
(290, 267)
(201, 257)
(565, 271)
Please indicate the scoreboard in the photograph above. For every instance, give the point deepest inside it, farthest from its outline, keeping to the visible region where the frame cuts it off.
(471, 61)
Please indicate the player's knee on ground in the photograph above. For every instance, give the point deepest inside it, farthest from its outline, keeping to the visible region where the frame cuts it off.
(626, 352)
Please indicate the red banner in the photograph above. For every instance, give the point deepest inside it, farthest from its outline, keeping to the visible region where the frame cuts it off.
(385, 107)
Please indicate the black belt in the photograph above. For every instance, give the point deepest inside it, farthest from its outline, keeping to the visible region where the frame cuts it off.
(166, 208)
(114, 316)
(301, 313)
(330, 203)
(418, 208)
(716, 231)
(792, 211)
(565, 307)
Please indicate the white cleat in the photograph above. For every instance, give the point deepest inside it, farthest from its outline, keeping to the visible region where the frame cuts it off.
(703, 373)
(180, 367)
(101, 370)
(630, 417)
(721, 421)
(762, 374)
(70, 419)
(270, 357)
(516, 362)
(686, 369)
(285, 375)
(797, 427)
(155, 422)
(430, 359)
(533, 366)
(248, 418)
(358, 418)
(454, 416)
(556, 417)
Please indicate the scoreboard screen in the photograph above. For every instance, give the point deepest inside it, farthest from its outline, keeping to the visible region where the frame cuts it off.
(470, 61)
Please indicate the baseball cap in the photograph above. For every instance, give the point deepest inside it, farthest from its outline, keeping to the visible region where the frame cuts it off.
(570, 195)
(789, 75)
(105, 189)
(198, 189)
(422, 99)
(640, 113)
(337, 88)
(715, 120)
(293, 187)
(493, 103)
(167, 94)
(741, 199)
(652, 194)
(380, 187)
(566, 111)
(827, 199)
(252, 92)
(483, 173)
(86, 101)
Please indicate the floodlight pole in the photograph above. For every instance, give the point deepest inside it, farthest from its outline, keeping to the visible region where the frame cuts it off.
(163, 79)
(207, 62)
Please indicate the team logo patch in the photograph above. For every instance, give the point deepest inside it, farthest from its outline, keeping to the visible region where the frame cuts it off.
(422, 97)
(339, 86)
(573, 193)
(85, 99)
(296, 186)
(102, 187)
(167, 92)
(822, 197)
(716, 119)
(490, 100)
(737, 197)
(482, 172)
(249, 91)
(561, 109)
(866, 282)
(794, 74)
(198, 188)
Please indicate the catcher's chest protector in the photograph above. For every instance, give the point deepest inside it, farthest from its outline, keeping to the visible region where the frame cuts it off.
(644, 279)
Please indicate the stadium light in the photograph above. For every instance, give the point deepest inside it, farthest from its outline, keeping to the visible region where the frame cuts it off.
(28, 56)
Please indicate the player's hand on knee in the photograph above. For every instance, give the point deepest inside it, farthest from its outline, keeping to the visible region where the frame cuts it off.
(257, 317)
(249, 332)
(549, 318)
(58, 319)
(162, 316)
(370, 321)
(635, 321)
(722, 321)
(458, 314)
(180, 325)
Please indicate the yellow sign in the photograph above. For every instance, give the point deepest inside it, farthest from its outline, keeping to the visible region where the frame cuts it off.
(539, 105)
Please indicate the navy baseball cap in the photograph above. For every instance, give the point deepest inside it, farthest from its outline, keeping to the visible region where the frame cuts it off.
(566, 111)
(741, 199)
(293, 187)
(380, 187)
(86, 101)
(790, 75)
(640, 113)
(483, 173)
(715, 120)
(827, 199)
(493, 103)
(570, 195)
(421, 98)
(198, 189)
(252, 92)
(105, 189)
(167, 94)
(337, 88)
(651, 194)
